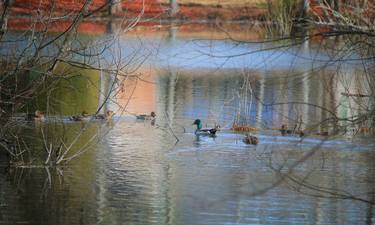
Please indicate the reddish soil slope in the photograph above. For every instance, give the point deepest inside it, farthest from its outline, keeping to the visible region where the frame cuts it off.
(61, 6)
(131, 8)
(28, 14)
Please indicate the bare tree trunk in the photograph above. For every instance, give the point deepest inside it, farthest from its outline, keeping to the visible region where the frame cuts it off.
(336, 5)
(115, 7)
(5, 8)
(260, 103)
(305, 7)
(174, 7)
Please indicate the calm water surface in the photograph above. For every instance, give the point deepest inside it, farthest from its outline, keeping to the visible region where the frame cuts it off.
(139, 174)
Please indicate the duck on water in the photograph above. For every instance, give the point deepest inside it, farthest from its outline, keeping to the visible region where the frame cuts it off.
(250, 139)
(285, 131)
(108, 115)
(84, 116)
(37, 116)
(206, 131)
(152, 116)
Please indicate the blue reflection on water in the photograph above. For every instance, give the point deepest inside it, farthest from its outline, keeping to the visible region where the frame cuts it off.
(223, 54)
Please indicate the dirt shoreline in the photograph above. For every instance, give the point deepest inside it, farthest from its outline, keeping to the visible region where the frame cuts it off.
(152, 10)
(154, 15)
(100, 25)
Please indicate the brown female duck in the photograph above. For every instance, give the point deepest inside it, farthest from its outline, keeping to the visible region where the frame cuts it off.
(108, 115)
(84, 116)
(251, 139)
(37, 116)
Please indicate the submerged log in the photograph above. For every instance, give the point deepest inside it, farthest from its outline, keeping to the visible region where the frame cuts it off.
(355, 95)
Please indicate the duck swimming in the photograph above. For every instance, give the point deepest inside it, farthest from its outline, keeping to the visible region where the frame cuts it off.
(250, 139)
(152, 116)
(210, 131)
(84, 116)
(285, 131)
(106, 116)
(37, 116)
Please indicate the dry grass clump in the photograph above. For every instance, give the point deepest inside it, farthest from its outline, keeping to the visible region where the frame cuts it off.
(238, 128)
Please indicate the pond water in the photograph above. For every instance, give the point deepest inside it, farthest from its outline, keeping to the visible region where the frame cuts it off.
(138, 173)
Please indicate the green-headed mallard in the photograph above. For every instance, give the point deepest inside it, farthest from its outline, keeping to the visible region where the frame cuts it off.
(199, 130)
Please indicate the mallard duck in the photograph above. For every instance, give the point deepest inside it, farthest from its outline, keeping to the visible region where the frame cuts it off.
(250, 139)
(106, 116)
(84, 116)
(285, 131)
(199, 130)
(323, 133)
(152, 116)
(37, 116)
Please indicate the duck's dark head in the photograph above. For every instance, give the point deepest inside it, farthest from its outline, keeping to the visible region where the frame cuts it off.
(153, 114)
(198, 123)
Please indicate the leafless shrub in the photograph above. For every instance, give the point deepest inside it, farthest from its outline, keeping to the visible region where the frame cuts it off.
(38, 62)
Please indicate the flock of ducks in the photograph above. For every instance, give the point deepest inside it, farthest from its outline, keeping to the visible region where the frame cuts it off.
(249, 137)
(84, 116)
(108, 115)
